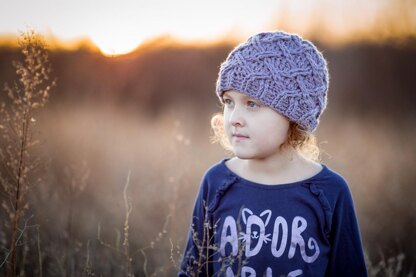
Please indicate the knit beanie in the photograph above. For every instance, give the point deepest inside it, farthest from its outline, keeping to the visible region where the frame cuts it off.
(282, 71)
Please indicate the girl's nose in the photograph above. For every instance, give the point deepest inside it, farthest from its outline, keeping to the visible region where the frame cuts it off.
(237, 118)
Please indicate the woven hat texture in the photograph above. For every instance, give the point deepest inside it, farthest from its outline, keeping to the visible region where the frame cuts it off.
(281, 70)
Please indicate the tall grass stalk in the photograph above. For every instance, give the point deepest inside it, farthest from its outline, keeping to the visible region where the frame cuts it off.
(128, 209)
(28, 94)
(126, 245)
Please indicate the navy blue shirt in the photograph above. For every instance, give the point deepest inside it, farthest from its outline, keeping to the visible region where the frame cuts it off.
(243, 228)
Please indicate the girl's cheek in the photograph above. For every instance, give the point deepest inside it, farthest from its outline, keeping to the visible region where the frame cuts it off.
(226, 126)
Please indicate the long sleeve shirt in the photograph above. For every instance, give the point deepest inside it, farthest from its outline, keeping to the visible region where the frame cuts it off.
(243, 228)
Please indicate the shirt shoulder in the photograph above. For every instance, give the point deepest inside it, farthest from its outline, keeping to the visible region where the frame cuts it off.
(215, 175)
(334, 186)
(215, 182)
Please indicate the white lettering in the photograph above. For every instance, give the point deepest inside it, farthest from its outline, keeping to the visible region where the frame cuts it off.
(269, 272)
(260, 235)
(229, 272)
(247, 272)
(295, 273)
(231, 228)
(255, 237)
(280, 221)
(299, 225)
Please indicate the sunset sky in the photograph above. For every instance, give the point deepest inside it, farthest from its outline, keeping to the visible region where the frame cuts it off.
(120, 26)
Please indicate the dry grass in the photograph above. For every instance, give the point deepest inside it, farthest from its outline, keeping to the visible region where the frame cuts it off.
(114, 190)
(26, 96)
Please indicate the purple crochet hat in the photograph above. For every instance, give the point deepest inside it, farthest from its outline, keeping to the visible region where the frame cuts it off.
(281, 70)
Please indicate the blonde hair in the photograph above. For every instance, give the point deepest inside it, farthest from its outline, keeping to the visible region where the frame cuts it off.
(303, 141)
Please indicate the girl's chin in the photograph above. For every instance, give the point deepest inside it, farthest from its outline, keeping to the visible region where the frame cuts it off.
(244, 155)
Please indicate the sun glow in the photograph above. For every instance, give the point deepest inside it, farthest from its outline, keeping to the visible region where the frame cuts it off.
(115, 44)
(119, 29)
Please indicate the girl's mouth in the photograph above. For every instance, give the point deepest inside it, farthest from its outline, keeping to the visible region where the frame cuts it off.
(240, 136)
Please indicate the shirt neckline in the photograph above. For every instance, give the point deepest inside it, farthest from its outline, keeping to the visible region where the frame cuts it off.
(273, 186)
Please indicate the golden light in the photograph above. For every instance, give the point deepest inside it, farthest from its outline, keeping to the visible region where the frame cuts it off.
(116, 43)
(119, 29)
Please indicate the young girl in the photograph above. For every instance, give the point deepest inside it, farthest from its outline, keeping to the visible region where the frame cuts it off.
(272, 210)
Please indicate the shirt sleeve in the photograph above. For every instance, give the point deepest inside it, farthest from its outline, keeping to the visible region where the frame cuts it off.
(346, 257)
(195, 262)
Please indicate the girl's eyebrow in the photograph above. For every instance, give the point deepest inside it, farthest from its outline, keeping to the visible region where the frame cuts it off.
(243, 97)
(248, 98)
(238, 96)
(226, 94)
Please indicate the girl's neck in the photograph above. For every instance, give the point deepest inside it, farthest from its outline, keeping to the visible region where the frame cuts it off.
(273, 166)
(288, 167)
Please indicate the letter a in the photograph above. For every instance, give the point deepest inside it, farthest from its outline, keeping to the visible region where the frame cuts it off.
(231, 228)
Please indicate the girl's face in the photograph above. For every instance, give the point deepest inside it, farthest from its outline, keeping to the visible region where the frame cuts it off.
(255, 131)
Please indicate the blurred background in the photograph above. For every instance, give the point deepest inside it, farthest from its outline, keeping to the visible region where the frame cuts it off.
(133, 102)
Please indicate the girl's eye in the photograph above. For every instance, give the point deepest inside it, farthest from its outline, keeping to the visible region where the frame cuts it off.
(252, 104)
(227, 101)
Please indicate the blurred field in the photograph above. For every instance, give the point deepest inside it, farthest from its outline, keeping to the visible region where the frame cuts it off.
(148, 113)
